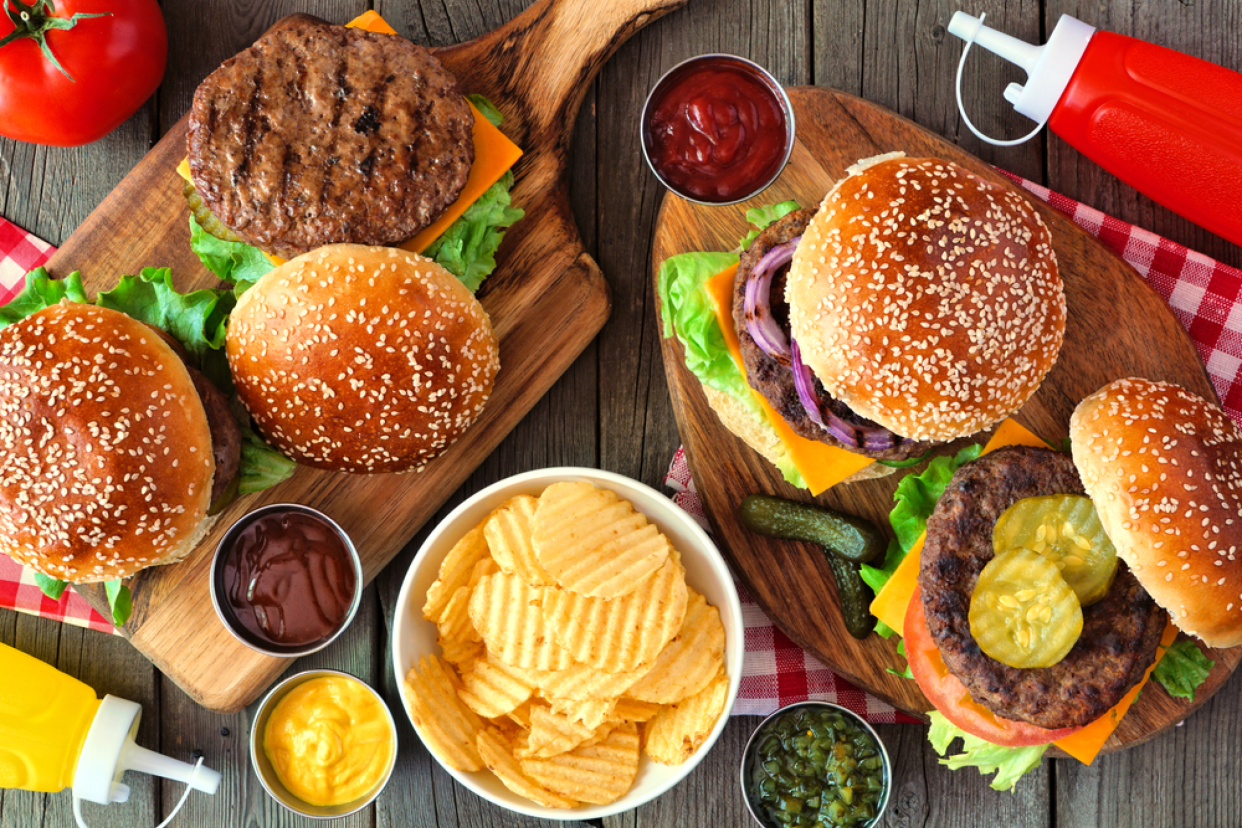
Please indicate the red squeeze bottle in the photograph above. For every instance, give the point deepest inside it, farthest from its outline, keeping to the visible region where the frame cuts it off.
(1166, 123)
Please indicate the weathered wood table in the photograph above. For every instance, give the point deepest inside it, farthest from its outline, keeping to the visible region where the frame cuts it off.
(611, 410)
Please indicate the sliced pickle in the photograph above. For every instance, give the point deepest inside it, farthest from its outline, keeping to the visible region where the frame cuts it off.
(1022, 612)
(1066, 530)
(205, 218)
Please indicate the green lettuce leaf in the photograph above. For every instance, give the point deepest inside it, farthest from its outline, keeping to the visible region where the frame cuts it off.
(196, 320)
(916, 497)
(761, 217)
(1009, 764)
(917, 494)
(487, 109)
(235, 262)
(1182, 669)
(687, 313)
(261, 465)
(120, 600)
(468, 247)
(51, 587)
(42, 291)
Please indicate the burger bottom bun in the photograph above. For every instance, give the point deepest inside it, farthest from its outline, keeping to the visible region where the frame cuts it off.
(1164, 468)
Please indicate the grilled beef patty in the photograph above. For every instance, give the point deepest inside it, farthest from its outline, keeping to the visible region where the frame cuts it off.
(320, 134)
(774, 380)
(1119, 633)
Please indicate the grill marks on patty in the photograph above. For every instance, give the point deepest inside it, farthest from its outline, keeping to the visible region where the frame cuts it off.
(320, 134)
(1119, 634)
(775, 381)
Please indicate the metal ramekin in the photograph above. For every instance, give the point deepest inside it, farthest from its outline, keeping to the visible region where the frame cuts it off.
(771, 82)
(748, 758)
(267, 774)
(226, 615)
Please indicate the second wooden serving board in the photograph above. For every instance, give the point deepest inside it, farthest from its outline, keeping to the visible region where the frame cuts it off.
(1117, 327)
(547, 300)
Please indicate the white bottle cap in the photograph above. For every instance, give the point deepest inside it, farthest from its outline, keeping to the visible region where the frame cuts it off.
(1048, 67)
(109, 751)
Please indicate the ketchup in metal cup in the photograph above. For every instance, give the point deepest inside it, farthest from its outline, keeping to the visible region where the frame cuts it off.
(288, 578)
(717, 129)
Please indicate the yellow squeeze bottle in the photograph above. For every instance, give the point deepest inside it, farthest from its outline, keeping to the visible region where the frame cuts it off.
(54, 733)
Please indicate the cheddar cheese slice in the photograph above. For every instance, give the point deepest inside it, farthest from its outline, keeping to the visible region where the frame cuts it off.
(494, 154)
(822, 466)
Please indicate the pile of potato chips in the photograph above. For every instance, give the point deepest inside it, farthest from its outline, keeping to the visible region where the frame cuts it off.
(577, 645)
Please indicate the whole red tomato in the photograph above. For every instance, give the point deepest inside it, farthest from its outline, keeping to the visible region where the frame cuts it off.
(68, 77)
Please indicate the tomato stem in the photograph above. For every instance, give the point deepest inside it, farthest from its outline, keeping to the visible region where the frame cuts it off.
(35, 20)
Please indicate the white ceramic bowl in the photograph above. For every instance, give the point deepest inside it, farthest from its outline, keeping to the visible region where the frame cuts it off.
(705, 571)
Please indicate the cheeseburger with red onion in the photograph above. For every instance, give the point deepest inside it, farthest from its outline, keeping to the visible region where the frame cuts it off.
(918, 304)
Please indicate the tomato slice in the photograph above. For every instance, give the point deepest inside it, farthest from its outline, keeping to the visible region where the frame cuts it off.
(950, 696)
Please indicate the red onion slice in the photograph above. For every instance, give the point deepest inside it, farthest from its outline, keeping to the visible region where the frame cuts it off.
(805, 383)
(872, 437)
(759, 320)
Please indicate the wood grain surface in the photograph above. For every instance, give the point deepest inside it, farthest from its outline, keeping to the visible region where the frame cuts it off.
(1116, 327)
(612, 410)
(547, 300)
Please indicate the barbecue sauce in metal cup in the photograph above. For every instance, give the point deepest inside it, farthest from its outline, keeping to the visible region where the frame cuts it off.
(288, 578)
(717, 129)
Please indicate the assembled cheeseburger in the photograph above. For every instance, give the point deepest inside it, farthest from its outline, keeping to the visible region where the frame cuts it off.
(114, 447)
(917, 305)
(1045, 585)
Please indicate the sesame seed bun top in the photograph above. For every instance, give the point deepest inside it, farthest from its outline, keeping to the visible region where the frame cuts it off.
(925, 298)
(1164, 468)
(361, 359)
(107, 461)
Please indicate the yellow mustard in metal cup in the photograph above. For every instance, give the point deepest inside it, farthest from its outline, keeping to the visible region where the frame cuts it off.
(329, 740)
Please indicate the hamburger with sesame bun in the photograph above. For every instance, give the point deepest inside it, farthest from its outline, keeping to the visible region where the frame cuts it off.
(108, 465)
(1046, 585)
(917, 305)
(361, 359)
(121, 439)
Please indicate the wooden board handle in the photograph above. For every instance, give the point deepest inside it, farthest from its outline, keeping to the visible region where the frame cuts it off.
(541, 62)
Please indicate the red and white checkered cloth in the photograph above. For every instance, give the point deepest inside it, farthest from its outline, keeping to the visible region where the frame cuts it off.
(1202, 292)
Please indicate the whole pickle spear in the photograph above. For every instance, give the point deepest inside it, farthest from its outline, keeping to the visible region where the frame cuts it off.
(846, 540)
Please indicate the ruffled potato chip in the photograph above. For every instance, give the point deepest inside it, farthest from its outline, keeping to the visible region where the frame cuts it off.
(493, 688)
(619, 634)
(690, 661)
(509, 538)
(508, 613)
(446, 725)
(459, 641)
(675, 733)
(497, 754)
(592, 542)
(455, 571)
(599, 773)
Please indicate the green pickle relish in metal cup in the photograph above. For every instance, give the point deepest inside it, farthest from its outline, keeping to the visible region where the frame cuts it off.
(815, 764)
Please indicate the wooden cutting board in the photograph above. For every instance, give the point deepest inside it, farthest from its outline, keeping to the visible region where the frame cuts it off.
(1117, 327)
(547, 300)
